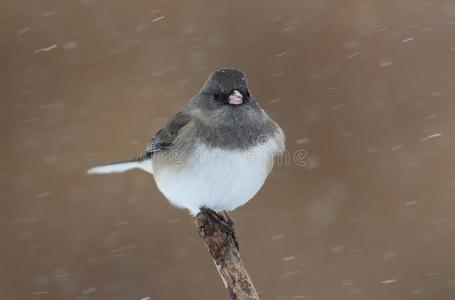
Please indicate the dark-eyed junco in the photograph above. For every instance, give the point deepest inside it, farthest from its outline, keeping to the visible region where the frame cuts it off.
(216, 153)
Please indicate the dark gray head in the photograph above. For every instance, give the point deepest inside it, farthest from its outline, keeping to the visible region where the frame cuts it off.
(225, 97)
(226, 115)
(227, 87)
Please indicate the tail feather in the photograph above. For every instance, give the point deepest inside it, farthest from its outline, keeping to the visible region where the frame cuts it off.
(122, 166)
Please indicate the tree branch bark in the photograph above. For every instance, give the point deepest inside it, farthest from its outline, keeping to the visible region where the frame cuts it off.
(223, 248)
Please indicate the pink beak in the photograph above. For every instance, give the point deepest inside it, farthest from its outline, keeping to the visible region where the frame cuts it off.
(236, 98)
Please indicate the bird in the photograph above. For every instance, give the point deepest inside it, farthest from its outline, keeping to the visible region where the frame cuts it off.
(216, 153)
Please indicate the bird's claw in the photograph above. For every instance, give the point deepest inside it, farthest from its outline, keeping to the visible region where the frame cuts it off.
(224, 221)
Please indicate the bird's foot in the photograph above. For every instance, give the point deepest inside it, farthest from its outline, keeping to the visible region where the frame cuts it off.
(224, 221)
(224, 224)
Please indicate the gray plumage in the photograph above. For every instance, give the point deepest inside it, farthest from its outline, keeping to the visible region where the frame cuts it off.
(222, 116)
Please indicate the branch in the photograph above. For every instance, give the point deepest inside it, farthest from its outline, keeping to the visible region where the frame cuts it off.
(224, 250)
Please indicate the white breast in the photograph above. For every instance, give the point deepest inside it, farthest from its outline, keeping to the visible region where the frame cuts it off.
(217, 179)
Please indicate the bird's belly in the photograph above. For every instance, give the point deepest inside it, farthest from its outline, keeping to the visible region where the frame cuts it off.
(216, 179)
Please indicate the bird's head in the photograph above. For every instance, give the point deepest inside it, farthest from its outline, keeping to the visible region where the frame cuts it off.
(225, 99)
(226, 87)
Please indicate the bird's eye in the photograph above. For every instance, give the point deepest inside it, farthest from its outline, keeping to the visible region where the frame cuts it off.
(216, 96)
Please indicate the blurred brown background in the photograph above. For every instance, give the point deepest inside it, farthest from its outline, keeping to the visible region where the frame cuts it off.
(365, 87)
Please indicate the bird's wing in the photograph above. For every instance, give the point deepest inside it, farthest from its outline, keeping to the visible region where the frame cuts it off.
(165, 137)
